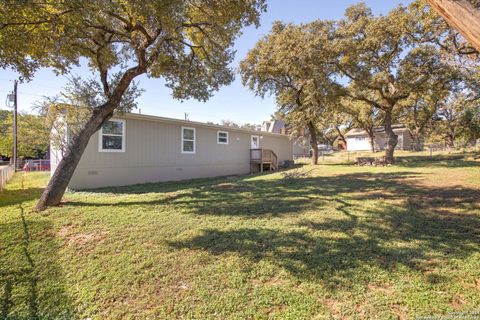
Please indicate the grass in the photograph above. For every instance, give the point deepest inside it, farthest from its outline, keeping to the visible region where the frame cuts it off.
(402, 156)
(341, 241)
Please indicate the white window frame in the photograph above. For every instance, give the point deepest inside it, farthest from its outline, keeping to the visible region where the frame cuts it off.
(194, 141)
(218, 137)
(101, 134)
(251, 141)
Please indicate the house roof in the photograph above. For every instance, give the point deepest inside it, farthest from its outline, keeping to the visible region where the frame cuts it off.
(362, 132)
(274, 126)
(191, 123)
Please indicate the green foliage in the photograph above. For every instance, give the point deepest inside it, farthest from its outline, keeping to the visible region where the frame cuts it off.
(372, 70)
(471, 122)
(186, 44)
(33, 135)
(457, 121)
(426, 25)
(289, 64)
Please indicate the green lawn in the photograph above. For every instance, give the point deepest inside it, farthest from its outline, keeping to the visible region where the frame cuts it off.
(340, 242)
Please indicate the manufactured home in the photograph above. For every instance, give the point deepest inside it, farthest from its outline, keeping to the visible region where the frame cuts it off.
(359, 140)
(134, 148)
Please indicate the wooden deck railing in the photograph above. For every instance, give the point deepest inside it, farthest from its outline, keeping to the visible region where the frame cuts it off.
(262, 156)
(6, 173)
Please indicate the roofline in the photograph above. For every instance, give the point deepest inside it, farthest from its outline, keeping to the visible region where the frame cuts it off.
(364, 133)
(194, 123)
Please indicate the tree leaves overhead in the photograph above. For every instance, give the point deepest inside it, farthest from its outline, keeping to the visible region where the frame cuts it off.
(188, 43)
(427, 25)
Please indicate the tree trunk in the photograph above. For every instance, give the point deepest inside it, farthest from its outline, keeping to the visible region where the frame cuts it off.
(313, 142)
(450, 141)
(341, 136)
(53, 194)
(461, 15)
(58, 184)
(392, 138)
(416, 140)
(372, 140)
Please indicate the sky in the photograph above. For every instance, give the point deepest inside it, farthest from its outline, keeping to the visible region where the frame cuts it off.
(233, 102)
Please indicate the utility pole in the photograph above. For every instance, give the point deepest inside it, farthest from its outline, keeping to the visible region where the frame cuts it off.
(15, 84)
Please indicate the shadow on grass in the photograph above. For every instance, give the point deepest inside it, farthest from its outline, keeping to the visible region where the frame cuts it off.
(447, 161)
(416, 226)
(17, 196)
(252, 197)
(392, 237)
(407, 224)
(31, 284)
(244, 197)
(158, 187)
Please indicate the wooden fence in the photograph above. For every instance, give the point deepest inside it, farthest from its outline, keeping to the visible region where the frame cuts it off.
(6, 173)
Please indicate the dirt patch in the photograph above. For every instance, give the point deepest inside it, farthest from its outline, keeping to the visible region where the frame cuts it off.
(65, 231)
(333, 306)
(275, 281)
(85, 238)
(400, 311)
(176, 195)
(384, 288)
(80, 239)
(457, 302)
(231, 187)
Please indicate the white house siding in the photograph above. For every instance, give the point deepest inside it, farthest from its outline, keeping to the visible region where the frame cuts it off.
(153, 153)
(358, 143)
(362, 142)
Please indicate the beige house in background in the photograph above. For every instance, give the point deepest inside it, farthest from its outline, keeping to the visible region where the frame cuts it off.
(134, 148)
(359, 140)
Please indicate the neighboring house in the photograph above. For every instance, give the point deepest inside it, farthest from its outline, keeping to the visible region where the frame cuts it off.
(358, 139)
(274, 126)
(301, 144)
(134, 148)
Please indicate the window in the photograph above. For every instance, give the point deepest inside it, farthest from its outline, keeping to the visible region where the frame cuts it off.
(222, 137)
(254, 142)
(188, 140)
(112, 136)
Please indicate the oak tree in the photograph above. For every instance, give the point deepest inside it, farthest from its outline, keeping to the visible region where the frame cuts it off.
(289, 63)
(384, 65)
(188, 43)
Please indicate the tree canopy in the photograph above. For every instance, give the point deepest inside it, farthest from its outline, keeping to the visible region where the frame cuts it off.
(291, 63)
(188, 43)
(33, 135)
(372, 68)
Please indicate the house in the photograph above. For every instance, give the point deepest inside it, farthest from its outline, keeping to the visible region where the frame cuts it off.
(134, 148)
(274, 126)
(301, 144)
(359, 140)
